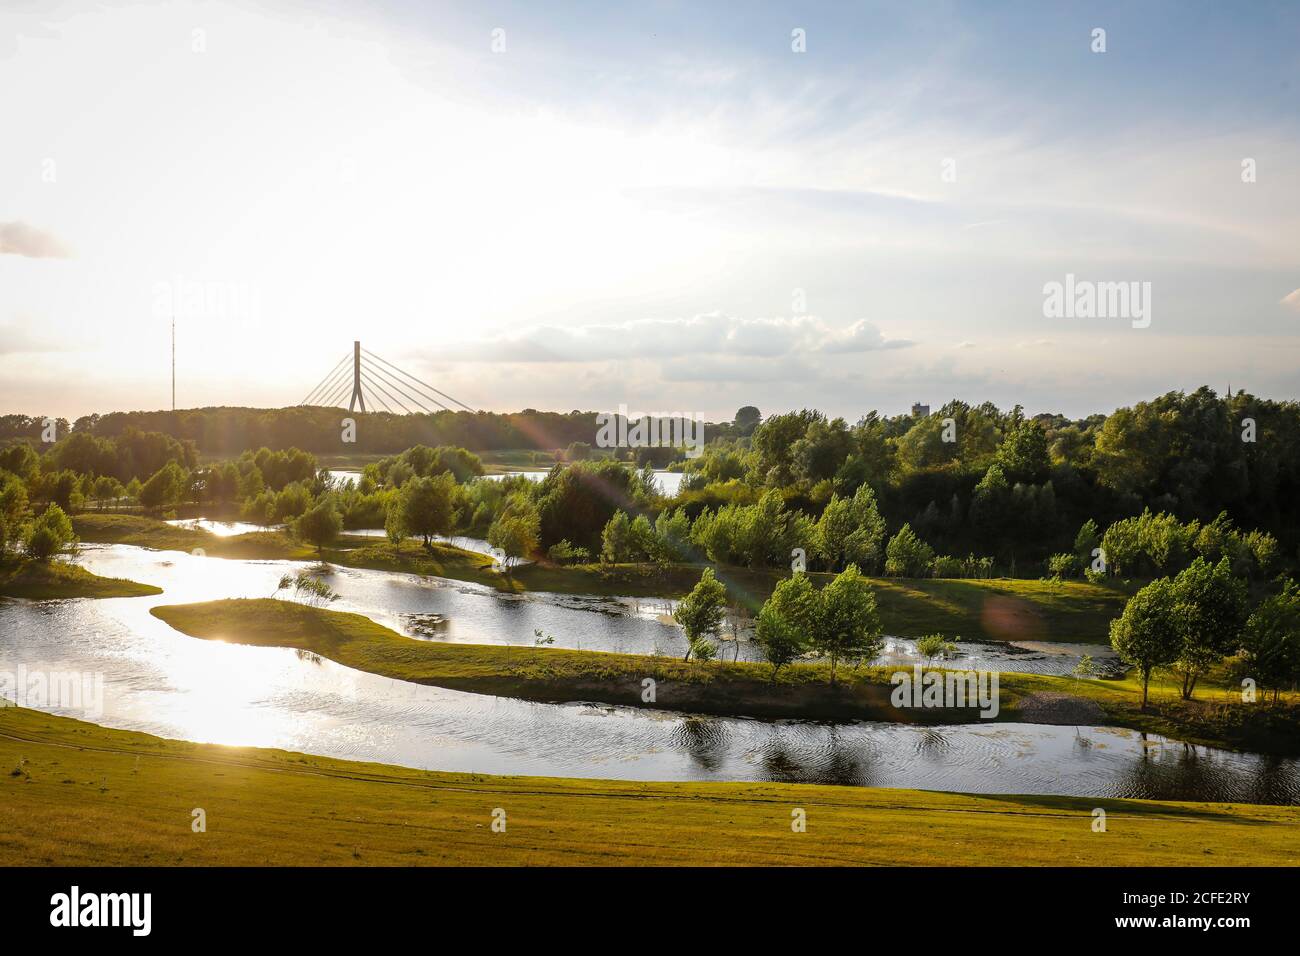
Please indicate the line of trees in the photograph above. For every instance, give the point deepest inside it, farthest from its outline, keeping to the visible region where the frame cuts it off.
(1190, 623)
(839, 622)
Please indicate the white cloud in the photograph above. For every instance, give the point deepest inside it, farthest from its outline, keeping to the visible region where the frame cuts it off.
(20, 239)
(1292, 301)
(712, 334)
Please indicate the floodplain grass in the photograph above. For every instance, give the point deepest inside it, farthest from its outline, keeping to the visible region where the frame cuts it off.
(77, 794)
(47, 580)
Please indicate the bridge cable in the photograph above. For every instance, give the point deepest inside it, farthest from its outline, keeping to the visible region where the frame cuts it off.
(328, 375)
(418, 400)
(419, 382)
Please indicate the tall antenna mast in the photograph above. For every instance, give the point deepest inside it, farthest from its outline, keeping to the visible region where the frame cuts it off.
(173, 360)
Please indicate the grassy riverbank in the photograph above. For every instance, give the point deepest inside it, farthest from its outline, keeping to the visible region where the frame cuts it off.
(45, 580)
(718, 688)
(76, 794)
(1002, 609)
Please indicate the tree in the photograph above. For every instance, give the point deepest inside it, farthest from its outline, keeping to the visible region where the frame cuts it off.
(792, 615)
(822, 449)
(1085, 542)
(106, 488)
(673, 531)
(1022, 456)
(19, 459)
(1085, 668)
(700, 612)
(577, 451)
(1147, 634)
(319, 525)
(851, 530)
(616, 539)
(780, 641)
(1211, 612)
(13, 499)
(516, 529)
(163, 488)
(990, 505)
(747, 418)
(49, 534)
(426, 506)
(1271, 640)
(394, 530)
(934, 645)
(907, 556)
(849, 624)
(644, 545)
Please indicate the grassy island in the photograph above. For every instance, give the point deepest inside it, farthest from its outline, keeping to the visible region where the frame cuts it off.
(45, 580)
(717, 688)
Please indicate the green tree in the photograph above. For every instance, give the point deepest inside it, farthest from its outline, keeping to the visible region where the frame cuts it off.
(700, 612)
(616, 539)
(319, 525)
(516, 530)
(849, 624)
(747, 418)
(851, 530)
(393, 527)
(1085, 668)
(934, 645)
(1147, 634)
(1085, 542)
(426, 506)
(1271, 640)
(780, 641)
(163, 488)
(673, 531)
(49, 534)
(1211, 613)
(1022, 456)
(990, 505)
(13, 499)
(907, 556)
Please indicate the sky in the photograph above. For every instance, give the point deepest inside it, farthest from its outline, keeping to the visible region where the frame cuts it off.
(668, 206)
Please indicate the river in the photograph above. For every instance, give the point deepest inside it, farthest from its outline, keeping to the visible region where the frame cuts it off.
(162, 682)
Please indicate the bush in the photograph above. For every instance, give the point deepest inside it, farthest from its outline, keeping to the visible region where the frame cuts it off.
(946, 566)
(907, 556)
(562, 552)
(49, 534)
(1062, 565)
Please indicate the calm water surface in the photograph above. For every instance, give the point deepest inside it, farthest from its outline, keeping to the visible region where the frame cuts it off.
(163, 682)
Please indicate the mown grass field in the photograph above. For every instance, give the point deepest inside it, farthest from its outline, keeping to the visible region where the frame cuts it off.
(718, 687)
(76, 794)
(45, 580)
(1003, 609)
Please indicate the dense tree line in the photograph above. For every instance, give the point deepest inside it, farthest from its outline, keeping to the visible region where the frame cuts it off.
(965, 491)
(229, 431)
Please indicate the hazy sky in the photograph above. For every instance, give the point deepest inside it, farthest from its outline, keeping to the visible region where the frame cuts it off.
(655, 204)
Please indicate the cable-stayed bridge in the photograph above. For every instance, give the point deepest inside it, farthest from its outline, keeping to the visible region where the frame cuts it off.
(362, 376)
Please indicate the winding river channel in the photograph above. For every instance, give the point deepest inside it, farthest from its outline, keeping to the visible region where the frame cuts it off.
(163, 682)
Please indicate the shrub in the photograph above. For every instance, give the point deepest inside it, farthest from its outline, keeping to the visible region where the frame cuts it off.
(907, 556)
(49, 534)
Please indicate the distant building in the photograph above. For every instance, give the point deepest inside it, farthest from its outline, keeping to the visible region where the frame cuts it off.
(920, 411)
